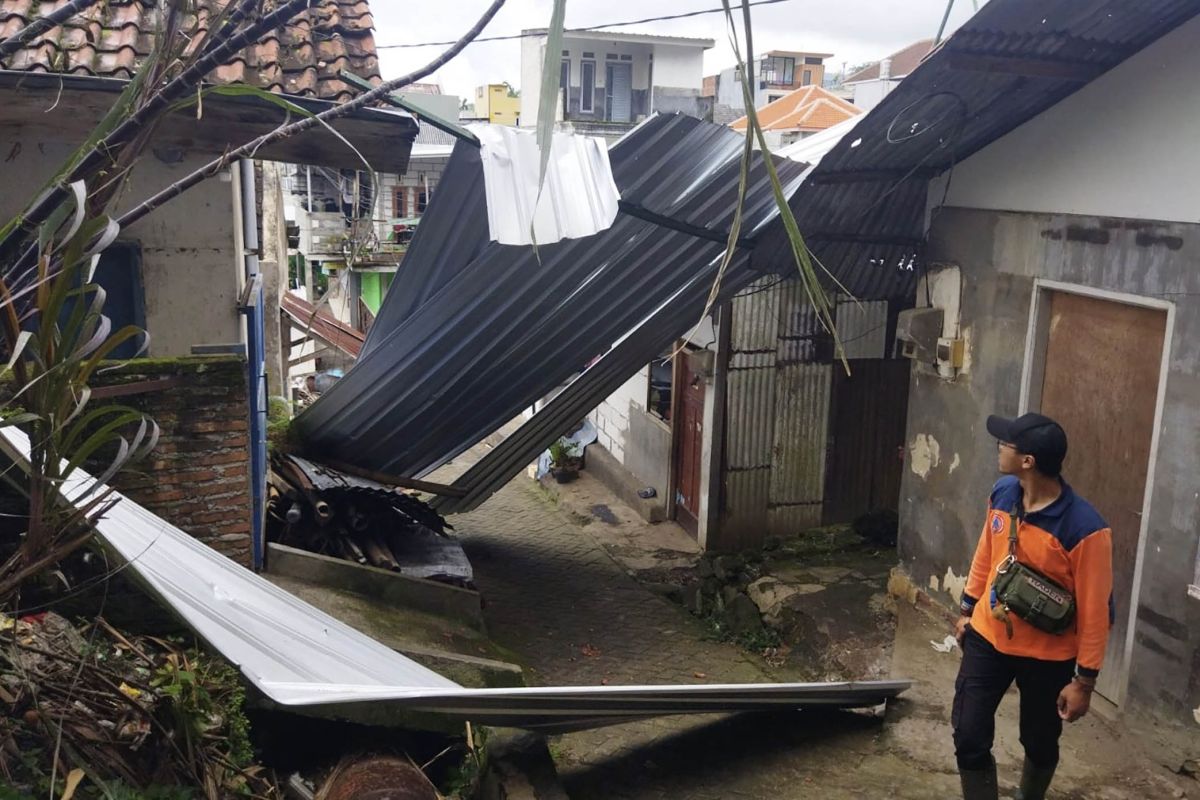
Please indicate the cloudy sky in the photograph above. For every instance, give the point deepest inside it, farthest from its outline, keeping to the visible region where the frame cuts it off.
(855, 31)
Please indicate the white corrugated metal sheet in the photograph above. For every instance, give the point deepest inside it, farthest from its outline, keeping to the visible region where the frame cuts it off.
(306, 660)
(811, 149)
(579, 197)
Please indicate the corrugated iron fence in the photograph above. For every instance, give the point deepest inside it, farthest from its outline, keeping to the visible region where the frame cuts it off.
(793, 416)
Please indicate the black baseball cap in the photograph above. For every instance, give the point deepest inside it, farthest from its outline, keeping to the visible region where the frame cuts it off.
(1033, 435)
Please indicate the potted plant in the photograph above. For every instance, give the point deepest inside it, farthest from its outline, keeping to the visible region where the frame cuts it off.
(564, 461)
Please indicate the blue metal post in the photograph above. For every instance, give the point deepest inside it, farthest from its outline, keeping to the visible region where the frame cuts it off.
(255, 365)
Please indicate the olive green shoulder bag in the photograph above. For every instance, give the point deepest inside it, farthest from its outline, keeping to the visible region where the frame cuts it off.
(1022, 590)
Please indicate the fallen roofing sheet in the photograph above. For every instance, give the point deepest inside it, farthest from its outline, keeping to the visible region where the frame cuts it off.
(321, 325)
(472, 332)
(306, 661)
(578, 198)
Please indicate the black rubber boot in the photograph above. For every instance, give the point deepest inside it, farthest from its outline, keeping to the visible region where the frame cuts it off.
(1035, 781)
(979, 784)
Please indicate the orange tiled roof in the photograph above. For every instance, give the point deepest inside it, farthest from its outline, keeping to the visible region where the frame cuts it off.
(111, 37)
(809, 108)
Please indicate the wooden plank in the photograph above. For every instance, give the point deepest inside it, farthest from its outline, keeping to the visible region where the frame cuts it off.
(136, 387)
(395, 480)
(452, 128)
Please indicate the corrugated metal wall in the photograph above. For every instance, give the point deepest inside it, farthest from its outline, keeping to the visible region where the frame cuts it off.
(777, 416)
(750, 414)
(862, 327)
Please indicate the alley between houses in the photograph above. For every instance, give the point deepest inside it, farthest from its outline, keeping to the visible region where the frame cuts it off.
(558, 574)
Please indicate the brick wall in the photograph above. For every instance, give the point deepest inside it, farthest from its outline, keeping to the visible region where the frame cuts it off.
(198, 475)
(611, 417)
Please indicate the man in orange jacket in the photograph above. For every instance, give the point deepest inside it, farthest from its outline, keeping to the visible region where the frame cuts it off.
(1062, 537)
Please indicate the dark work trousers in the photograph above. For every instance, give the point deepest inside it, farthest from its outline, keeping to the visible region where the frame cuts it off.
(983, 678)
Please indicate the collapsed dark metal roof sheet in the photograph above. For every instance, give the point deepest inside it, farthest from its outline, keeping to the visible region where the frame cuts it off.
(464, 342)
(863, 206)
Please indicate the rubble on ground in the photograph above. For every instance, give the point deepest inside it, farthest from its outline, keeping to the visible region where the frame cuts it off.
(322, 510)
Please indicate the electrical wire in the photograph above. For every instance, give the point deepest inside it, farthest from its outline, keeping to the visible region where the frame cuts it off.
(528, 34)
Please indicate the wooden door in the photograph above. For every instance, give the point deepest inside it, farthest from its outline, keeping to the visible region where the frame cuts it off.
(1102, 363)
(689, 436)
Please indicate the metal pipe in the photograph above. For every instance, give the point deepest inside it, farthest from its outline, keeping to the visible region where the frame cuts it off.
(942, 28)
(255, 363)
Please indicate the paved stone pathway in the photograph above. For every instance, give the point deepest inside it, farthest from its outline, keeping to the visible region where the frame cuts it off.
(566, 611)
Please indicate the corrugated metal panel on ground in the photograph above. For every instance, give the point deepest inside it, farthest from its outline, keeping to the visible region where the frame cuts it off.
(310, 663)
(801, 439)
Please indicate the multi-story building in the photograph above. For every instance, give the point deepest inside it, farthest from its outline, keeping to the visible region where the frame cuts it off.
(776, 73)
(610, 81)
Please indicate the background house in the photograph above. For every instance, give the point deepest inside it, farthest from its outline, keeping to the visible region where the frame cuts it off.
(497, 103)
(610, 81)
(799, 113)
(873, 82)
(776, 73)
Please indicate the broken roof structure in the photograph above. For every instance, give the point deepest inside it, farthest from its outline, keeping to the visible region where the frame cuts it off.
(302, 660)
(473, 332)
(503, 326)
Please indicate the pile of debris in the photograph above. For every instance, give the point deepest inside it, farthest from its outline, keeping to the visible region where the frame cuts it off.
(324, 510)
(91, 711)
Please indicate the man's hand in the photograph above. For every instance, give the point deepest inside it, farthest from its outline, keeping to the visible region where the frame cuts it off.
(1074, 701)
(960, 629)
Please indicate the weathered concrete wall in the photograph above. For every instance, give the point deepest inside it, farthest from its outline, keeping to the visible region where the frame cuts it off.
(951, 460)
(191, 273)
(672, 100)
(198, 475)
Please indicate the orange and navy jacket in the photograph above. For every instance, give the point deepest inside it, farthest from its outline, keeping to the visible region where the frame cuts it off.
(1068, 542)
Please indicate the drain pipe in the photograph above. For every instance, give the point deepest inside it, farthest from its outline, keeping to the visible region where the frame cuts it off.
(252, 307)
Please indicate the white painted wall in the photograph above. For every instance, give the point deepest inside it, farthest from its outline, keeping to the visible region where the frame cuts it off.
(868, 94)
(1123, 146)
(532, 48)
(678, 66)
(191, 273)
(729, 89)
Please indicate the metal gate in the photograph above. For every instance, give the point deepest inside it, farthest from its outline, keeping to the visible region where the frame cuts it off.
(869, 411)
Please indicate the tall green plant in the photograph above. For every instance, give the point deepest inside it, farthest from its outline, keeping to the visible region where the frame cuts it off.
(56, 334)
(810, 280)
